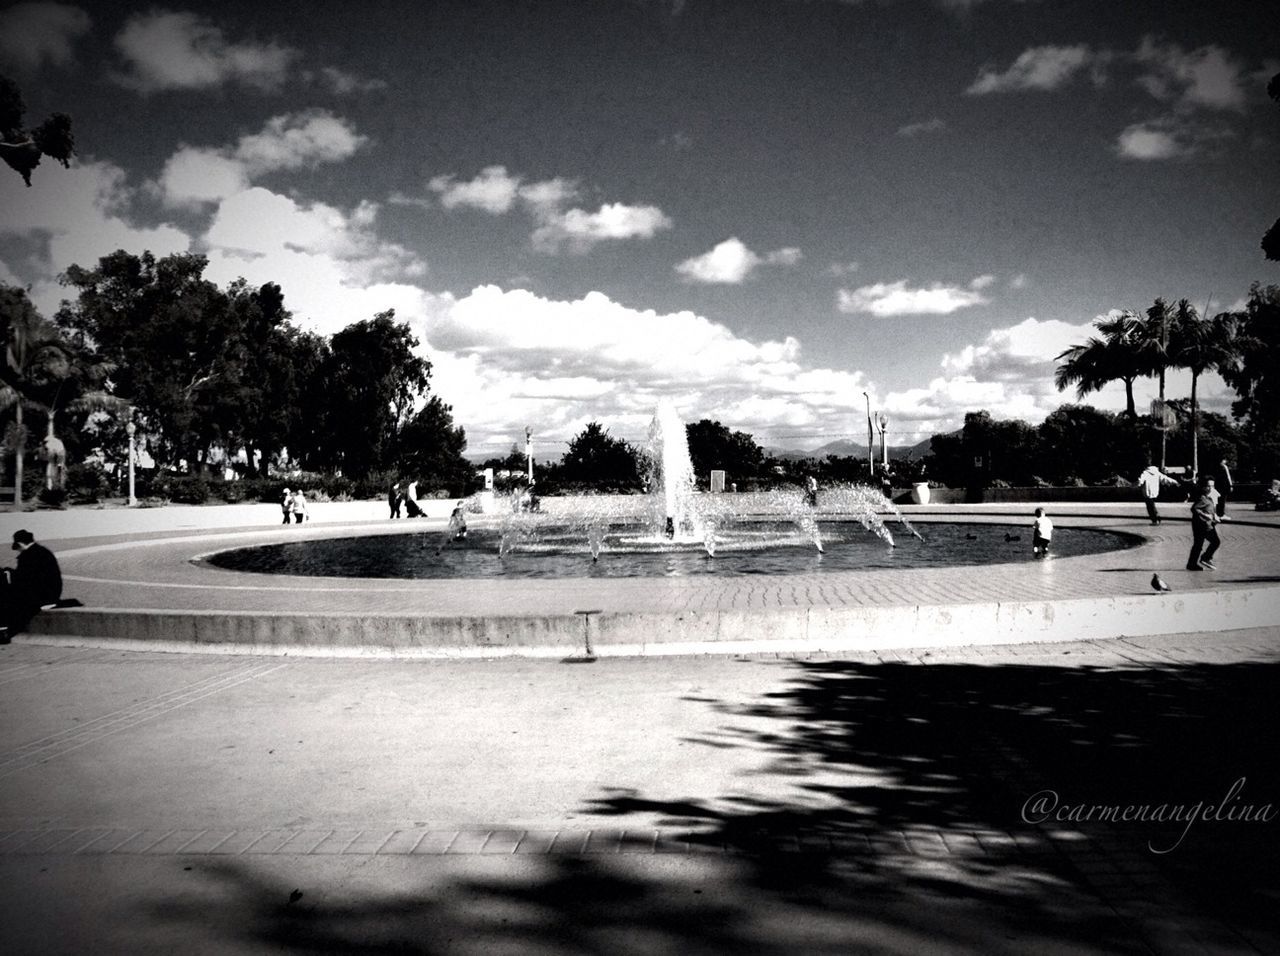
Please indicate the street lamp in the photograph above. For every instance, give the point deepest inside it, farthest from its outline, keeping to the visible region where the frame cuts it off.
(882, 424)
(130, 428)
(528, 451)
(871, 441)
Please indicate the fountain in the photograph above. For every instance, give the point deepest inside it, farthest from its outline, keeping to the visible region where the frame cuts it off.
(676, 516)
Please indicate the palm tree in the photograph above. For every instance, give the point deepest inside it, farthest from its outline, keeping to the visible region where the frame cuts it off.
(45, 372)
(1201, 345)
(1122, 353)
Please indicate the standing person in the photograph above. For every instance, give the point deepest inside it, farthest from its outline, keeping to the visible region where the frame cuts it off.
(458, 523)
(1222, 476)
(35, 582)
(286, 505)
(811, 491)
(411, 509)
(1150, 481)
(299, 508)
(1204, 528)
(393, 499)
(1041, 534)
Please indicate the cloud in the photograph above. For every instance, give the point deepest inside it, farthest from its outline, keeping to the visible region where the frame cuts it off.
(197, 175)
(185, 51)
(494, 190)
(1148, 141)
(74, 218)
(1205, 78)
(581, 230)
(343, 83)
(504, 358)
(896, 298)
(32, 34)
(1039, 68)
(731, 262)
(934, 125)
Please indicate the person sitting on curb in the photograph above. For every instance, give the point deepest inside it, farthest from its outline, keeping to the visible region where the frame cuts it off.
(33, 584)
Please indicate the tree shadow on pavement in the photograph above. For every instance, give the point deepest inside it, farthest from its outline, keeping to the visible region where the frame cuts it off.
(901, 808)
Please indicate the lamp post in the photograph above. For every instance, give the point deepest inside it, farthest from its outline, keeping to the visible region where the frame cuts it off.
(871, 441)
(130, 428)
(528, 450)
(882, 423)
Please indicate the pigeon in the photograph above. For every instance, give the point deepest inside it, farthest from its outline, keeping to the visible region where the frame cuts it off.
(1157, 583)
(1012, 537)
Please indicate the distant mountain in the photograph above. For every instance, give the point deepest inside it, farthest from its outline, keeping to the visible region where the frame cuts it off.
(843, 448)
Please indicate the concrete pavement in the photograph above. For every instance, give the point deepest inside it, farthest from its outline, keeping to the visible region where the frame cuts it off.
(890, 801)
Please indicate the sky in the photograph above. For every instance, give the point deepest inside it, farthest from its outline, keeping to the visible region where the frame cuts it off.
(771, 212)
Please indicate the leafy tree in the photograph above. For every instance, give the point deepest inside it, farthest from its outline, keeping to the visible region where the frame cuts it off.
(372, 380)
(1080, 442)
(431, 447)
(712, 445)
(1271, 240)
(1254, 374)
(1122, 353)
(174, 340)
(597, 458)
(22, 148)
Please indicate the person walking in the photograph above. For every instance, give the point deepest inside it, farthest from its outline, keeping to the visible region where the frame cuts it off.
(1041, 534)
(298, 506)
(286, 505)
(1224, 484)
(394, 498)
(411, 507)
(1204, 529)
(34, 583)
(1150, 481)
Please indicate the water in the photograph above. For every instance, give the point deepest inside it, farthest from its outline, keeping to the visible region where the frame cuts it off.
(634, 550)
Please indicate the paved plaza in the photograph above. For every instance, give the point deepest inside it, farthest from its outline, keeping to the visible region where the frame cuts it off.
(1080, 796)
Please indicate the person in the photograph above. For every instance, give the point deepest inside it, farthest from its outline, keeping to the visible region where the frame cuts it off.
(1204, 529)
(1224, 484)
(1041, 534)
(886, 484)
(1270, 497)
(34, 583)
(1150, 481)
(286, 505)
(811, 491)
(411, 508)
(458, 523)
(298, 506)
(393, 499)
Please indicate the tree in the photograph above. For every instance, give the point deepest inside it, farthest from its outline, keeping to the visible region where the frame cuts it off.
(1123, 353)
(712, 445)
(431, 447)
(1083, 443)
(22, 148)
(47, 372)
(597, 458)
(372, 381)
(1201, 345)
(179, 352)
(1254, 373)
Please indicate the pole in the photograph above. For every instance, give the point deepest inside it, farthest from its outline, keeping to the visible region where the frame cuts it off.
(871, 441)
(1164, 351)
(528, 451)
(883, 422)
(130, 428)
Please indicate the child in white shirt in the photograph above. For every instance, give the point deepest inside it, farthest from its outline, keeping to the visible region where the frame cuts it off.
(1041, 534)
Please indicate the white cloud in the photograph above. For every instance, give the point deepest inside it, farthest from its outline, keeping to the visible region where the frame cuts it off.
(1039, 68)
(185, 51)
(1151, 140)
(35, 33)
(342, 82)
(934, 125)
(195, 175)
(494, 190)
(1208, 78)
(731, 262)
(74, 217)
(897, 298)
(581, 230)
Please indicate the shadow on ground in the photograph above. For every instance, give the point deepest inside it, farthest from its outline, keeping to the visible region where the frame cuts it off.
(900, 828)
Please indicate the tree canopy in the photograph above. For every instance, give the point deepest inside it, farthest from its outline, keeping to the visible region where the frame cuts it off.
(21, 148)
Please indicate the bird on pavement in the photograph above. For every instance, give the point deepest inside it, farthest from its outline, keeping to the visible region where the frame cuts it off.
(1012, 537)
(1157, 583)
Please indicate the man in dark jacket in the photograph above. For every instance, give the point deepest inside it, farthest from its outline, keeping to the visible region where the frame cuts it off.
(35, 582)
(1204, 521)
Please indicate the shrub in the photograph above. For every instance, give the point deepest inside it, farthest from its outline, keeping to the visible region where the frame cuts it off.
(88, 482)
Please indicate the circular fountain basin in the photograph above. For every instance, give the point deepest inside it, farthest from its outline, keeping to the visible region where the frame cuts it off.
(628, 551)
